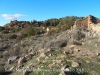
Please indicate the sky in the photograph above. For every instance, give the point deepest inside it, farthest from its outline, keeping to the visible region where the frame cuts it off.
(40, 10)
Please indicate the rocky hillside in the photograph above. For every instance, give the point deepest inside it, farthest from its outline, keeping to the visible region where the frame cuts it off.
(17, 24)
(74, 51)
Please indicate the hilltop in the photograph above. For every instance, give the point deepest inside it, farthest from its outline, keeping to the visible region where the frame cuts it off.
(69, 43)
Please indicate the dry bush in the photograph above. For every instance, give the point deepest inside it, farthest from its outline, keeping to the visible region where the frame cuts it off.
(13, 36)
(78, 33)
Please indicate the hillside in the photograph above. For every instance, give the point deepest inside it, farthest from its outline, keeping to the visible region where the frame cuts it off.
(65, 46)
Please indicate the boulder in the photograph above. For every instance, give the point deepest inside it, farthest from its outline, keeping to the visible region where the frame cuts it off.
(12, 59)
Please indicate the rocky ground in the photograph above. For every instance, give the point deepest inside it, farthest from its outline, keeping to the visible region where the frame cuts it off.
(72, 52)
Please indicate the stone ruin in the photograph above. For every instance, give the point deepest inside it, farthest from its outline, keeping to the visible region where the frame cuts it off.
(86, 22)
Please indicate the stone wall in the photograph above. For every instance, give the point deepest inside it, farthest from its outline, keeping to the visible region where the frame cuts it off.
(86, 22)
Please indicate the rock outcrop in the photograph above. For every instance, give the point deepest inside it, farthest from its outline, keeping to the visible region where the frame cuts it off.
(17, 24)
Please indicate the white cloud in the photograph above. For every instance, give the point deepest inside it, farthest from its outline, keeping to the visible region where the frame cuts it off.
(11, 17)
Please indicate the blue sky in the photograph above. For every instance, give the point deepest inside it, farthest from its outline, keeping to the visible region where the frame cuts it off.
(45, 9)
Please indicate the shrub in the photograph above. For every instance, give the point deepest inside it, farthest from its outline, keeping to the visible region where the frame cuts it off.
(5, 31)
(32, 31)
(53, 31)
(75, 42)
(21, 36)
(1, 56)
(78, 33)
(15, 30)
(1, 28)
(13, 36)
(2, 70)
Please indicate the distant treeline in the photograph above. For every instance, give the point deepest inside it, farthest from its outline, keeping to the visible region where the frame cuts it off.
(65, 21)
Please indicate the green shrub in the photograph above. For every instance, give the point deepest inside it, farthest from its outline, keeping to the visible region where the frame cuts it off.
(32, 31)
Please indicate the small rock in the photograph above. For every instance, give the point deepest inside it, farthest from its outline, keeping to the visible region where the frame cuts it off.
(12, 59)
(29, 56)
(65, 71)
(87, 61)
(38, 58)
(21, 60)
(83, 43)
(75, 64)
(30, 50)
(12, 68)
(98, 54)
(41, 50)
(96, 45)
(42, 55)
(72, 46)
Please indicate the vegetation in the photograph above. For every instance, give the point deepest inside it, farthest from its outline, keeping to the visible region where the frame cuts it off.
(1, 28)
(13, 36)
(61, 23)
(2, 70)
(32, 31)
